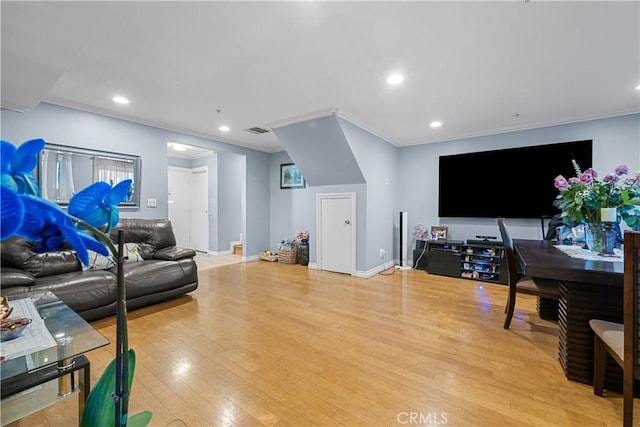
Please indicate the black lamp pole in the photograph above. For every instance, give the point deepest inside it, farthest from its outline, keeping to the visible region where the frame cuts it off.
(121, 395)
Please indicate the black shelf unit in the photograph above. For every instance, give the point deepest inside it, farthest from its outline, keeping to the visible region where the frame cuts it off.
(443, 257)
(420, 255)
(420, 259)
(480, 260)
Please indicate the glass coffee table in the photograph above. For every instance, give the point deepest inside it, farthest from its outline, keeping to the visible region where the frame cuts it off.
(46, 364)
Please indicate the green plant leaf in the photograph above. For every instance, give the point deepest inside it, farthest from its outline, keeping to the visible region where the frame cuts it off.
(100, 407)
(141, 419)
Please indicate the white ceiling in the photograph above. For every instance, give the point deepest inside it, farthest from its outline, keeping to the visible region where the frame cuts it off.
(479, 67)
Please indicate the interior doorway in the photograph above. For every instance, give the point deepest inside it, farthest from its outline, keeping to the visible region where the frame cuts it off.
(207, 191)
(336, 224)
(189, 206)
(199, 204)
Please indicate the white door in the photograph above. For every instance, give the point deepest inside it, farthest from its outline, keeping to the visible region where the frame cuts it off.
(336, 215)
(199, 218)
(179, 179)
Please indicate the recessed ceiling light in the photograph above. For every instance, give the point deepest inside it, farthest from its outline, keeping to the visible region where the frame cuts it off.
(638, 87)
(178, 147)
(224, 128)
(435, 124)
(395, 79)
(120, 99)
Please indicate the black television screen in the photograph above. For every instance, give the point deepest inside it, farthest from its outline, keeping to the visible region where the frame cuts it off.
(510, 183)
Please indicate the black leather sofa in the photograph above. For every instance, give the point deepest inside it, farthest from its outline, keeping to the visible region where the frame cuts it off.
(161, 271)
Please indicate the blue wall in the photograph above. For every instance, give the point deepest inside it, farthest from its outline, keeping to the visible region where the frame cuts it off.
(378, 162)
(406, 179)
(179, 163)
(229, 212)
(320, 150)
(290, 209)
(615, 141)
(364, 164)
(64, 126)
(397, 178)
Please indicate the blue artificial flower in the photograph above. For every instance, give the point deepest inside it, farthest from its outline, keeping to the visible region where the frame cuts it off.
(97, 204)
(16, 165)
(12, 212)
(48, 226)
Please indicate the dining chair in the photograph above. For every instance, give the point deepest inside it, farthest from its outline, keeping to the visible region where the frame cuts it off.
(519, 283)
(620, 340)
(546, 234)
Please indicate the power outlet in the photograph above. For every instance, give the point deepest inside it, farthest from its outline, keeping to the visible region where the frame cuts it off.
(152, 203)
(382, 253)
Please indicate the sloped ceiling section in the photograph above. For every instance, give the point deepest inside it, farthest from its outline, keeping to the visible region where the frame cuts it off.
(30, 67)
(321, 152)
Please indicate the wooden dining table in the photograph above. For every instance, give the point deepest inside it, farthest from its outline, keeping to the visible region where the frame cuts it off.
(589, 289)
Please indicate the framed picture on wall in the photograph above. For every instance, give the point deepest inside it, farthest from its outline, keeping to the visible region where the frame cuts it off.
(290, 176)
(438, 233)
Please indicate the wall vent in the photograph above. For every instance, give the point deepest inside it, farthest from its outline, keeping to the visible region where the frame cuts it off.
(257, 130)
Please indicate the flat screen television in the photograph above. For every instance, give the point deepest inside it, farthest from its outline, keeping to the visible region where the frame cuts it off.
(511, 183)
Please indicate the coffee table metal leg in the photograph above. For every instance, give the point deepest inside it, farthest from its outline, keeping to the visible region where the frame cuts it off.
(84, 383)
(66, 382)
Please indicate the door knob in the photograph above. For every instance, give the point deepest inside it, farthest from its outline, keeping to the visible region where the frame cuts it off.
(346, 221)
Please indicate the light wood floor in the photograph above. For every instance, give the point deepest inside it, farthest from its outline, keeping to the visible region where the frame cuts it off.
(270, 344)
(206, 261)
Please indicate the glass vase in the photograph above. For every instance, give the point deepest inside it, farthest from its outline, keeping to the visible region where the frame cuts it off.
(595, 237)
(303, 252)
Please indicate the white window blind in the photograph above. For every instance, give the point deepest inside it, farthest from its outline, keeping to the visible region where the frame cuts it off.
(112, 170)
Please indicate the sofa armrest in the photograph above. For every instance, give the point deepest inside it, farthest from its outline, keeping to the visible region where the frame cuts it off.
(10, 277)
(174, 253)
(18, 253)
(155, 232)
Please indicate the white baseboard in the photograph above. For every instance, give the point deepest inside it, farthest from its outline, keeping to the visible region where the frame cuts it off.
(375, 270)
(229, 252)
(364, 274)
(219, 253)
(369, 273)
